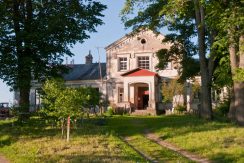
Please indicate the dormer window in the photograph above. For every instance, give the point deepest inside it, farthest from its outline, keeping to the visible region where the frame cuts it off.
(143, 62)
(122, 64)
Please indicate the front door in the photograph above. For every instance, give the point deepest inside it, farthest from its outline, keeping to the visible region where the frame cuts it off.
(142, 98)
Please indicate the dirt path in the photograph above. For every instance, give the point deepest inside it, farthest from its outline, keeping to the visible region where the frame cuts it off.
(194, 157)
(3, 159)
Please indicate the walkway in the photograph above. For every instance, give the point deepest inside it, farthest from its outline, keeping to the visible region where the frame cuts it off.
(3, 159)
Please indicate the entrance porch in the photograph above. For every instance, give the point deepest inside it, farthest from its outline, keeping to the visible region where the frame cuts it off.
(140, 90)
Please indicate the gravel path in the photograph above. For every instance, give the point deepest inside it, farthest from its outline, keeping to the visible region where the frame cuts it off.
(3, 159)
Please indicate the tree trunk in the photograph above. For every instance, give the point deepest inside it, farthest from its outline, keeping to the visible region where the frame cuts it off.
(206, 106)
(232, 110)
(24, 53)
(239, 87)
(233, 64)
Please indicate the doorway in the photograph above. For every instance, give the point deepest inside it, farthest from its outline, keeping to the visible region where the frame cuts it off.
(142, 98)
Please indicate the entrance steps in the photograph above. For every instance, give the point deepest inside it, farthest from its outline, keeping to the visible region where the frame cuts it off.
(144, 112)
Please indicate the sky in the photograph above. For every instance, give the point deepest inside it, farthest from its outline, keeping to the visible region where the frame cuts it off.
(112, 30)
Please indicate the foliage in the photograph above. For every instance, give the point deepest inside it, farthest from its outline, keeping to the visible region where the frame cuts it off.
(195, 88)
(170, 89)
(180, 108)
(222, 72)
(110, 111)
(223, 107)
(61, 102)
(36, 35)
(185, 22)
(239, 75)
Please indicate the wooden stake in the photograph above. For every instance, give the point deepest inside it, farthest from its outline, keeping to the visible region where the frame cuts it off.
(68, 128)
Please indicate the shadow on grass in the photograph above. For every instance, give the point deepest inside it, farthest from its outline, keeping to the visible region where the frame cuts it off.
(175, 125)
(94, 158)
(227, 158)
(11, 130)
(180, 124)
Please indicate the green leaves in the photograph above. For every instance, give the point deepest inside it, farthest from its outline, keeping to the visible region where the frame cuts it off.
(40, 41)
(61, 102)
(170, 89)
(239, 75)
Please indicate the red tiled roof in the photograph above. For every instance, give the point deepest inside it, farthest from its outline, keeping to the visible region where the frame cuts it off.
(139, 72)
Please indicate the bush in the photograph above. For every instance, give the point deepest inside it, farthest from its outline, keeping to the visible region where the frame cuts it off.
(110, 111)
(180, 108)
(223, 108)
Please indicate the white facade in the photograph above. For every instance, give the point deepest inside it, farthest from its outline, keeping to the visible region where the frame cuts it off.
(124, 57)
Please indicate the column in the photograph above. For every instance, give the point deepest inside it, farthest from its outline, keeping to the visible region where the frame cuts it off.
(126, 91)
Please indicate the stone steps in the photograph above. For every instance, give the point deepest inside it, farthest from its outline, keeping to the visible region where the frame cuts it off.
(144, 112)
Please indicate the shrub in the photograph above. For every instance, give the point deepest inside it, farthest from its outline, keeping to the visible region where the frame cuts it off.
(223, 108)
(180, 108)
(110, 111)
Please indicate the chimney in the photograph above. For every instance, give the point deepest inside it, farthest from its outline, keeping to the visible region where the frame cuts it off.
(89, 58)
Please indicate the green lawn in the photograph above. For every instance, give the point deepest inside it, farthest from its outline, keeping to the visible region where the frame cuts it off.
(36, 141)
(218, 141)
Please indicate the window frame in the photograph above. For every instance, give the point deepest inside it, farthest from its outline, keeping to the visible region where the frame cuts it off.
(122, 61)
(120, 94)
(144, 64)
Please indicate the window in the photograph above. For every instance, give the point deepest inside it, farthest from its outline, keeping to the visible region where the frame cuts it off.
(122, 63)
(121, 94)
(143, 41)
(143, 62)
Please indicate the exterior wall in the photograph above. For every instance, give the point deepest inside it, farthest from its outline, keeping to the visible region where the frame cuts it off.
(131, 47)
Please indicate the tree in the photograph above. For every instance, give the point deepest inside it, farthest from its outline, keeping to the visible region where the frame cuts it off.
(62, 103)
(186, 19)
(170, 89)
(230, 25)
(35, 35)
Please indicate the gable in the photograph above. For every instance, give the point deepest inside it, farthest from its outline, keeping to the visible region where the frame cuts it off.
(144, 40)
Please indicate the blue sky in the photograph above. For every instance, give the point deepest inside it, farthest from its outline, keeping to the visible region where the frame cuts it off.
(106, 34)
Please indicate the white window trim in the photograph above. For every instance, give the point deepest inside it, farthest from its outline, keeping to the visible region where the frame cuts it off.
(149, 60)
(119, 92)
(127, 63)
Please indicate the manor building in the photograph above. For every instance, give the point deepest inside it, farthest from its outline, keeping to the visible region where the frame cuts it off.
(132, 77)
(129, 78)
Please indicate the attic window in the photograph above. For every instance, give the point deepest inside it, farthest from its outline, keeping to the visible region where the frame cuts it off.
(143, 41)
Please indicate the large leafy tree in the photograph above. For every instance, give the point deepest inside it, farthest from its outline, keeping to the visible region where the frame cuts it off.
(228, 18)
(217, 25)
(35, 35)
(185, 19)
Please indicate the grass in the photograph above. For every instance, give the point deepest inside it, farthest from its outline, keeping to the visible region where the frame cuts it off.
(36, 141)
(218, 141)
(155, 151)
